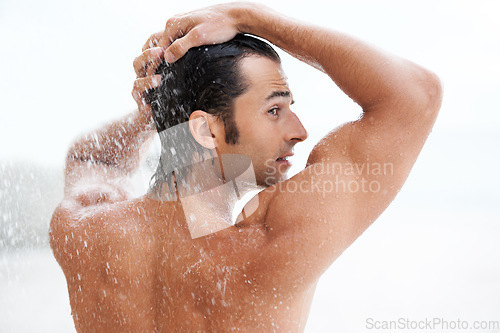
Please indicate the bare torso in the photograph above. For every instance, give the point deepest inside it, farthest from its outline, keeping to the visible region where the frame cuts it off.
(139, 270)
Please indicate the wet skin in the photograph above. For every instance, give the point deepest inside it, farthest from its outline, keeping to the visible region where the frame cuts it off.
(139, 270)
(135, 267)
(131, 264)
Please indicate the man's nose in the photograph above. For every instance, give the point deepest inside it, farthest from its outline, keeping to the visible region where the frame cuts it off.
(295, 129)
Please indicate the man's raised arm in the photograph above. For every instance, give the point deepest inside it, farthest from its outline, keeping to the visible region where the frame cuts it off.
(333, 202)
(98, 161)
(98, 166)
(400, 101)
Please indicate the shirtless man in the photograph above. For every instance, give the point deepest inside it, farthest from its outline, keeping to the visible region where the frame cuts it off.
(132, 264)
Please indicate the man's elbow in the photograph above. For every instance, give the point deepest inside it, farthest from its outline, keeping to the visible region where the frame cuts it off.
(434, 90)
(420, 97)
(429, 94)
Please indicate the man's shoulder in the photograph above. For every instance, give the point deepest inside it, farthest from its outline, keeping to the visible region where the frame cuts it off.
(72, 222)
(77, 210)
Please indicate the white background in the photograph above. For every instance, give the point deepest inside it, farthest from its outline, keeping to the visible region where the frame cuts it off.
(66, 67)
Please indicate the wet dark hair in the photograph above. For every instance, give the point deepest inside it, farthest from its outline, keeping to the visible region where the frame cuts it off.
(206, 78)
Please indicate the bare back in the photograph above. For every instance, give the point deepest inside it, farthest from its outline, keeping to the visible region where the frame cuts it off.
(133, 267)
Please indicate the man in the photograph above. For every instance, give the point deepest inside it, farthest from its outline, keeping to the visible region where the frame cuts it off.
(138, 264)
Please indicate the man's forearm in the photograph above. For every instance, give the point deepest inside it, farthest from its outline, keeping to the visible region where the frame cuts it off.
(117, 144)
(366, 74)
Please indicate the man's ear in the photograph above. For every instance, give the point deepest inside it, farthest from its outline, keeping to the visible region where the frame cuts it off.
(201, 125)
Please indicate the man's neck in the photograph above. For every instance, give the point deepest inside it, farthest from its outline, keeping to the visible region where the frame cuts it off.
(208, 198)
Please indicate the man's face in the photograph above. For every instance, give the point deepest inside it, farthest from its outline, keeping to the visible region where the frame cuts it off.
(268, 129)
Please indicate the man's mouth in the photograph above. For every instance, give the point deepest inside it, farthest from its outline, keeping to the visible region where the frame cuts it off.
(284, 157)
(283, 160)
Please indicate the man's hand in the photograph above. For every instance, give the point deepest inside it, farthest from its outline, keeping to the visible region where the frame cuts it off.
(212, 25)
(145, 66)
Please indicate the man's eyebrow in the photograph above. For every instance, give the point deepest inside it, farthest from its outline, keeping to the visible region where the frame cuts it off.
(279, 94)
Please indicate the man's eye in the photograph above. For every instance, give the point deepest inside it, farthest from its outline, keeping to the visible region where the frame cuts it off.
(273, 111)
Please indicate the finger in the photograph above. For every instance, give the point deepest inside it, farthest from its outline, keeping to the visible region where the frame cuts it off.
(176, 27)
(151, 70)
(155, 61)
(180, 46)
(149, 58)
(142, 85)
(153, 41)
(146, 114)
(147, 111)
